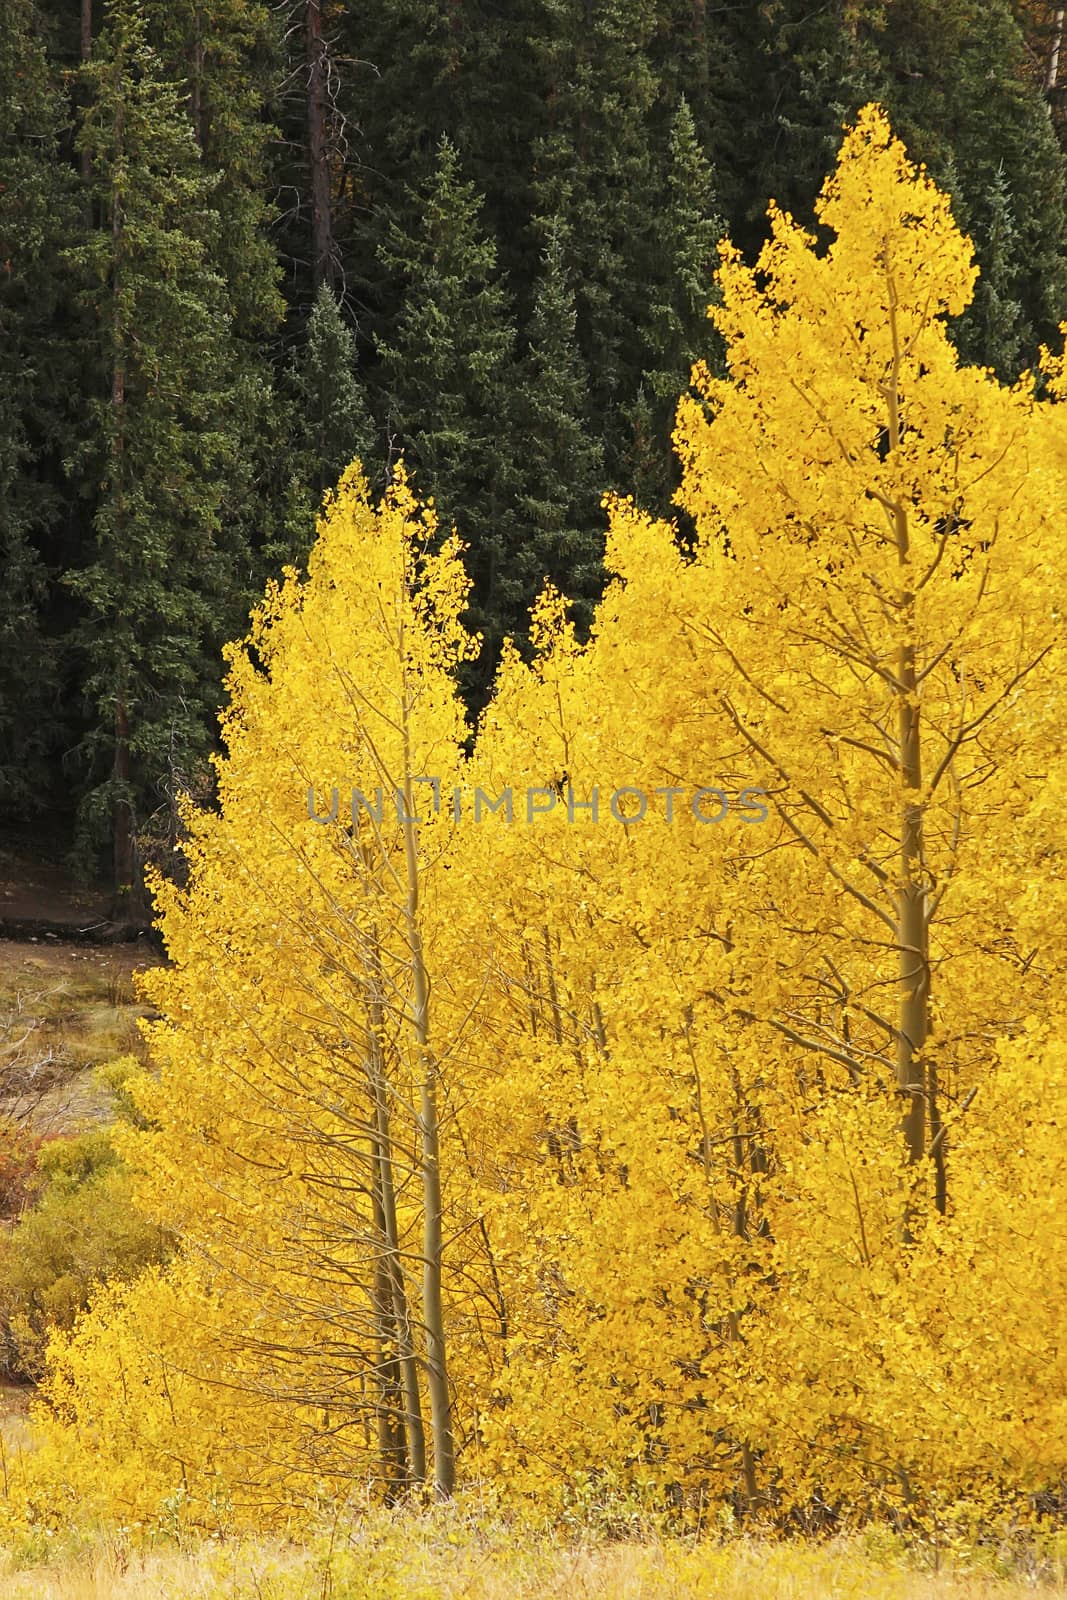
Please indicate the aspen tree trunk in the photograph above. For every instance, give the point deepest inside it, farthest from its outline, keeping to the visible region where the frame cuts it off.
(748, 1463)
(321, 222)
(912, 927)
(405, 1345)
(912, 936)
(1052, 76)
(444, 1463)
(392, 1437)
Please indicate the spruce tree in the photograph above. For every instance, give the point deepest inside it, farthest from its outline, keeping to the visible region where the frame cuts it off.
(37, 214)
(677, 331)
(693, 53)
(426, 68)
(562, 462)
(594, 169)
(227, 55)
(958, 91)
(956, 82)
(801, 73)
(330, 419)
(446, 371)
(165, 579)
(990, 327)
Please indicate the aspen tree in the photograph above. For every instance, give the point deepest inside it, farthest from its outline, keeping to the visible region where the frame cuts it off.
(745, 1095)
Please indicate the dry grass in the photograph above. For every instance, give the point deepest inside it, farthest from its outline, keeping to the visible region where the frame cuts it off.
(64, 1009)
(442, 1558)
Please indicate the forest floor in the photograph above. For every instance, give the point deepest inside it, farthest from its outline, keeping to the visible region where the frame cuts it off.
(67, 1000)
(42, 899)
(65, 1008)
(450, 1557)
(37, 886)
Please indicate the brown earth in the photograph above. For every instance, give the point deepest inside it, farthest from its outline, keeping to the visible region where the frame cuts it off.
(65, 1008)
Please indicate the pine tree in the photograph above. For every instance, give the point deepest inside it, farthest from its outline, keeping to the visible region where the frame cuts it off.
(331, 423)
(801, 72)
(693, 54)
(36, 210)
(959, 93)
(228, 55)
(989, 329)
(561, 459)
(446, 371)
(472, 72)
(956, 80)
(163, 585)
(594, 169)
(677, 331)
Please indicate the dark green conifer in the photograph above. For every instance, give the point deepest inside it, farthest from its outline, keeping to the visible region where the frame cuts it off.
(330, 421)
(167, 575)
(562, 464)
(446, 376)
(38, 215)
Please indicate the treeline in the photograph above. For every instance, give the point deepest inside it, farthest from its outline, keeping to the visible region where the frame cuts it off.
(241, 242)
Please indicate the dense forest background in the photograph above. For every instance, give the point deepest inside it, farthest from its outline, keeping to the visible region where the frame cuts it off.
(241, 242)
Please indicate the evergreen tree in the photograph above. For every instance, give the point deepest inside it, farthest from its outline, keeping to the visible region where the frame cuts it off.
(677, 331)
(801, 72)
(36, 210)
(955, 79)
(990, 326)
(446, 372)
(960, 96)
(693, 54)
(165, 581)
(330, 420)
(594, 169)
(472, 72)
(320, 177)
(562, 460)
(228, 54)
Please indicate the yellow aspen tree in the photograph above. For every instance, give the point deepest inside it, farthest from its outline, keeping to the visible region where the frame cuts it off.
(889, 518)
(295, 1130)
(870, 632)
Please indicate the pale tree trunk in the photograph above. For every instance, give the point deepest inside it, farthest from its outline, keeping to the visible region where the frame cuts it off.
(85, 161)
(386, 1186)
(1052, 76)
(392, 1438)
(322, 252)
(196, 78)
(699, 28)
(444, 1465)
(913, 954)
(913, 933)
(748, 1463)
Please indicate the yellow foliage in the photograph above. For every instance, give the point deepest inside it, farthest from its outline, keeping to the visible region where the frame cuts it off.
(751, 1130)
